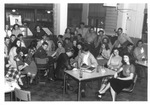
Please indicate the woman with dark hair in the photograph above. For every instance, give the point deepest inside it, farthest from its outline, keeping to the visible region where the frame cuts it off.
(26, 63)
(16, 30)
(13, 52)
(38, 32)
(116, 84)
(67, 33)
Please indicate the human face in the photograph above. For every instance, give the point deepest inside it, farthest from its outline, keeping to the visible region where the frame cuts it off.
(68, 30)
(59, 45)
(13, 38)
(105, 40)
(74, 42)
(16, 27)
(70, 54)
(92, 30)
(81, 25)
(140, 44)
(38, 28)
(130, 48)
(100, 33)
(119, 32)
(79, 46)
(103, 46)
(126, 58)
(18, 43)
(116, 52)
(7, 41)
(44, 46)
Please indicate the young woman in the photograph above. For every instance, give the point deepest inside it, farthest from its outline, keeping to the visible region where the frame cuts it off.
(67, 33)
(116, 84)
(114, 63)
(13, 53)
(16, 30)
(38, 33)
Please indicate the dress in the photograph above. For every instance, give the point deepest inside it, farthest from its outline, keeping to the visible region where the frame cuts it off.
(118, 84)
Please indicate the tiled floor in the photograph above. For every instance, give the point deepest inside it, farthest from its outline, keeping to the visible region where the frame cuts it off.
(52, 91)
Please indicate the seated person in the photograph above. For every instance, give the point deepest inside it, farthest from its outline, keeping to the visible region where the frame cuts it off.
(125, 79)
(129, 49)
(86, 58)
(139, 55)
(59, 50)
(20, 37)
(114, 62)
(104, 51)
(139, 52)
(63, 63)
(25, 62)
(67, 44)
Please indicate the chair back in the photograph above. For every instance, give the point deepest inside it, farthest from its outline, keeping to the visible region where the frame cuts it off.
(22, 95)
(131, 88)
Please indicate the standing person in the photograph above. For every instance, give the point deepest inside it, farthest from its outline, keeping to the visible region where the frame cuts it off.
(123, 39)
(116, 84)
(82, 30)
(38, 32)
(16, 30)
(89, 38)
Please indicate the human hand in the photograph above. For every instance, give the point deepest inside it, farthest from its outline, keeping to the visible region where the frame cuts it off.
(116, 75)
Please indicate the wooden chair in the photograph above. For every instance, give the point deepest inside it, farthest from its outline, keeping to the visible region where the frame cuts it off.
(22, 95)
(41, 66)
(131, 88)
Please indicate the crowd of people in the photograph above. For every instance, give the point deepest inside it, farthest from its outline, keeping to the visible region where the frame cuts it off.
(77, 48)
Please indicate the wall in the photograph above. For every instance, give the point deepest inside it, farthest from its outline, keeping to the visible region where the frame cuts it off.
(130, 18)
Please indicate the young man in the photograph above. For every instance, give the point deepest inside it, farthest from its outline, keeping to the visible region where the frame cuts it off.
(123, 39)
(63, 63)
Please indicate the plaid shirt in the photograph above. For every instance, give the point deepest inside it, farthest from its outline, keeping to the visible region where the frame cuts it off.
(13, 73)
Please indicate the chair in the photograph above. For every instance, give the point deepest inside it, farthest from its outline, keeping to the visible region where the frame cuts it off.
(22, 95)
(41, 66)
(130, 89)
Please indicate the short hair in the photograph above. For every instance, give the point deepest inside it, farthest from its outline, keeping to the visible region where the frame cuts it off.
(100, 31)
(80, 43)
(82, 23)
(12, 35)
(139, 42)
(120, 29)
(85, 48)
(80, 35)
(70, 50)
(6, 38)
(44, 43)
(71, 33)
(67, 38)
(115, 48)
(19, 35)
(60, 36)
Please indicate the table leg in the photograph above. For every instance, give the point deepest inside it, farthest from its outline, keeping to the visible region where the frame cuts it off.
(79, 90)
(64, 85)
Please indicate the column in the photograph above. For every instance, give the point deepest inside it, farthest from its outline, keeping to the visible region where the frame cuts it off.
(60, 18)
(85, 13)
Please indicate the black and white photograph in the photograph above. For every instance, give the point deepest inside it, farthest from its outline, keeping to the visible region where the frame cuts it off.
(75, 51)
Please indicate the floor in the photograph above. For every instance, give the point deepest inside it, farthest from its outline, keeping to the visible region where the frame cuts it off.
(52, 91)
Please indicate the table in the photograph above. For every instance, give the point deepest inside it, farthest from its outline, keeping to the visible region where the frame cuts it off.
(142, 63)
(9, 87)
(86, 76)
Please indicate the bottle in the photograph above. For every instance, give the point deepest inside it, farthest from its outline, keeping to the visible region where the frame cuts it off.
(80, 73)
(98, 68)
